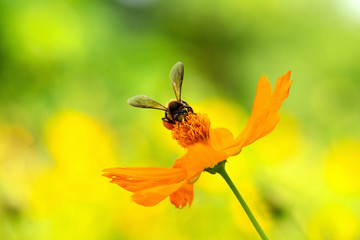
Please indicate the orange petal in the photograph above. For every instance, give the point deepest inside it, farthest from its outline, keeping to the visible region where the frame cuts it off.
(184, 195)
(137, 185)
(281, 91)
(199, 157)
(138, 179)
(264, 116)
(141, 172)
(152, 196)
(221, 138)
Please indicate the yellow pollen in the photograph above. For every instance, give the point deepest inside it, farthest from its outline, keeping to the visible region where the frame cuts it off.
(195, 128)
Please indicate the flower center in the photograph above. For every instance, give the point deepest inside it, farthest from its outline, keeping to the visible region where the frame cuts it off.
(195, 128)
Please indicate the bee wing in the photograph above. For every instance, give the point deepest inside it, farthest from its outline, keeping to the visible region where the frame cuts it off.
(176, 76)
(142, 101)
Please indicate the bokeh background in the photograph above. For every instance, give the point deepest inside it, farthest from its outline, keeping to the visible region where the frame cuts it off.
(67, 68)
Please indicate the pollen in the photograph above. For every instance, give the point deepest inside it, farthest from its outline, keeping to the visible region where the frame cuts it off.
(193, 129)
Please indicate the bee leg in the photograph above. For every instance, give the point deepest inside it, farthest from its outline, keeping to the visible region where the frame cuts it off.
(167, 123)
(167, 120)
(185, 117)
(176, 119)
(185, 113)
(190, 109)
(187, 106)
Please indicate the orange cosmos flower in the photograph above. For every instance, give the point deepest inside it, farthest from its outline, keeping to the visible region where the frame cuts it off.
(205, 148)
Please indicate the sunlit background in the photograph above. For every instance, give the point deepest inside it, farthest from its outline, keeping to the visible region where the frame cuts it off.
(67, 68)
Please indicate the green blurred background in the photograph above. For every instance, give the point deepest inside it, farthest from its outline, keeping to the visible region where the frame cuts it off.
(67, 68)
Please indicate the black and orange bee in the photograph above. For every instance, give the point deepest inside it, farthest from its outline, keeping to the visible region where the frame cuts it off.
(176, 110)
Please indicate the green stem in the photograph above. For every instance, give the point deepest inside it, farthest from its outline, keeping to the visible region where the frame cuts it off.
(220, 168)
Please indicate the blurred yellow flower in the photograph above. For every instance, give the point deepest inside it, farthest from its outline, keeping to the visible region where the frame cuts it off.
(343, 166)
(68, 189)
(334, 222)
(75, 139)
(18, 165)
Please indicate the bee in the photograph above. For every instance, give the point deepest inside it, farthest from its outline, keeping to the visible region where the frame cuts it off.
(176, 110)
